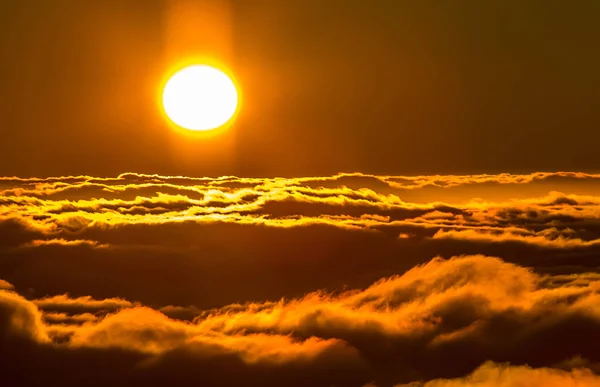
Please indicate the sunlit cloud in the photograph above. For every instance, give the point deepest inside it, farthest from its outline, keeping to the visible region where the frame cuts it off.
(497, 375)
(64, 242)
(281, 203)
(475, 304)
(369, 281)
(5, 285)
(64, 303)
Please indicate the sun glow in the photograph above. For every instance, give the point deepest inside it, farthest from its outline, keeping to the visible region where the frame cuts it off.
(200, 97)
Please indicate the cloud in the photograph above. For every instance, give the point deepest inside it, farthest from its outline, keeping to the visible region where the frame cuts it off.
(63, 242)
(550, 238)
(64, 303)
(275, 202)
(20, 319)
(401, 329)
(187, 240)
(498, 375)
(338, 280)
(5, 285)
(64, 318)
(37, 207)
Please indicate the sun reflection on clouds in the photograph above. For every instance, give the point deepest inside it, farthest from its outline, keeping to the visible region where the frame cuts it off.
(174, 269)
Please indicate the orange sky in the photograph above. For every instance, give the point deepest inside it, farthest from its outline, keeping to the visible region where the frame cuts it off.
(328, 87)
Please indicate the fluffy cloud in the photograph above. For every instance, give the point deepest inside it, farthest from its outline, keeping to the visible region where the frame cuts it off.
(69, 234)
(304, 281)
(400, 329)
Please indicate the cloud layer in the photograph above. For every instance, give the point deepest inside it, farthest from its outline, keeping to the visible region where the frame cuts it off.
(441, 319)
(352, 279)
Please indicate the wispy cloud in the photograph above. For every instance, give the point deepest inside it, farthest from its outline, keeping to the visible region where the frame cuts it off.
(497, 375)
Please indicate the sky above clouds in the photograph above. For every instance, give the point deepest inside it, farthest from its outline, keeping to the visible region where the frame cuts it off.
(383, 87)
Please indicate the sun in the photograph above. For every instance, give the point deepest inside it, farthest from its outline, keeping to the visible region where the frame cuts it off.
(200, 97)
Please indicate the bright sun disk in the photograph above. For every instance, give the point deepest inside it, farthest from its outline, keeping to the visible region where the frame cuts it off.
(200, 97)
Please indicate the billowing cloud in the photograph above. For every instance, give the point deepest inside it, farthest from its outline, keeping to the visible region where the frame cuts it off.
(400, 329)
(187, 240)
(345, 280)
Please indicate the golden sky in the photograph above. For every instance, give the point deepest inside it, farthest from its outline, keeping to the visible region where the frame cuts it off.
(328, 86)
(407, 196)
